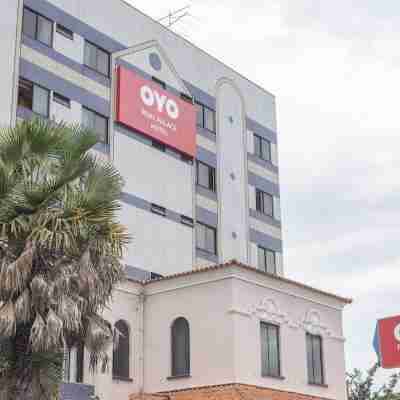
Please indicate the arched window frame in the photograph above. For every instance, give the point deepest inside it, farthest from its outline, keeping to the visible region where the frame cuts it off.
(121, 351)
(176, 370)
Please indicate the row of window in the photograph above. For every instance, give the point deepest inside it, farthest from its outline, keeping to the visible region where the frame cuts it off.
(180, 351)
(271, 354)
(40, 28)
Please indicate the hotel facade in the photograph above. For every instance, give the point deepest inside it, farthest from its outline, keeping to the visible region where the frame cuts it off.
(206, 310)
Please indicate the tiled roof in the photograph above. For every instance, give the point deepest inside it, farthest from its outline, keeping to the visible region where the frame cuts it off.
(235, 263)
(226, 392)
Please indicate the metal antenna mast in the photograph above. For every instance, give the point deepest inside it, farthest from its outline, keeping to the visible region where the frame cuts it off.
(175, 16)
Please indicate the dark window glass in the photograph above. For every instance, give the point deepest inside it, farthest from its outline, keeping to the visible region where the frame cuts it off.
(206, 238)
(206, 176)
(209, 119)
(200, 118)
(180, 347)
(158, 145)
(267, 260)
(314, 359)
(97, 59)
(187, 220)
(159, 82)
(156, 209)
(60, 99)
(270, 358)
(29, 23)
(95, 122)
(25, 94)
(264, 203)
(262, 148)
(121, 351)
(65, 31)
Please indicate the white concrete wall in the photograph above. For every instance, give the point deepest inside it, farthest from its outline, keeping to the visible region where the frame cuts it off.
(72, 49)
(10, 18)
(129, 26)
(232, 173)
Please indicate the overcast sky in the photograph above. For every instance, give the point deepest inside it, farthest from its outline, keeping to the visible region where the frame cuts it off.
(334, 67)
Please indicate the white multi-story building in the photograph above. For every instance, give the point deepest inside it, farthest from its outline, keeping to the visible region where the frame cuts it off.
(196, 143)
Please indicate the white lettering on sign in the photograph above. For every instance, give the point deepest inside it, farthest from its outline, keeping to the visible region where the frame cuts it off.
(151, 97)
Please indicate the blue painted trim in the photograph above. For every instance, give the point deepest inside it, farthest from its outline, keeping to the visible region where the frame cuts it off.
(263, 184)
(206, 157)
(53, 82)
(68, 62)
(261, 130)
(207, 134)
(145, 205)
(56, 14)
(206, 193)
(201, 96)
(262, 163)
(207, 256)
(266, 241)
(265, 218)
(76, 391)
(206, 217)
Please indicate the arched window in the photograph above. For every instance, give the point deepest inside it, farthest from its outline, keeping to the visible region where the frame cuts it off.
(180, 341)
(121, 351)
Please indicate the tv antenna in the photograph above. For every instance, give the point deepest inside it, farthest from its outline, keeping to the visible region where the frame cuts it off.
(174, 16)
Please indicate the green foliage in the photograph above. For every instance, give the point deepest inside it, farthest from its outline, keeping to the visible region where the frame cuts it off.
(60, 249)
(361, 386)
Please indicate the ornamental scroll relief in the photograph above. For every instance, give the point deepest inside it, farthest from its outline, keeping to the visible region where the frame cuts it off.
(268, 310)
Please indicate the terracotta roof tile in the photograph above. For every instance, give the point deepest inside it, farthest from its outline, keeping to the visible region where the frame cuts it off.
(235, 263)
(226, 392)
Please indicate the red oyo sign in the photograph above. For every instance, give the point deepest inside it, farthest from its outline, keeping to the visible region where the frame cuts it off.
(145, 106)
(388, 332)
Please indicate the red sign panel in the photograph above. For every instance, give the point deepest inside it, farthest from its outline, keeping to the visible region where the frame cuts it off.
(389, 342)
(145, 106)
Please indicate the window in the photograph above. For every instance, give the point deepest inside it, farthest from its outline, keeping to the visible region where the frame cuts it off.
(180, 347)
(60, 99)
(187, 221)
(270, 357)
(264, 203)
(262, 148)
(97, 123)
(97, 59)
(205, 117)
(267, 260)
(314, 359)
(33, 97)
(206, 176)
(73, 364)
(206, 238)
(37, 27)
(121, 351)
(62, 30)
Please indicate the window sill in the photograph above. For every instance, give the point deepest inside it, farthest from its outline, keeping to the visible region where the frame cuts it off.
(207, 252)
(323, 385)
(206, 188)
(171, 378)
(278, 377)
(121, 378)
(96, 71)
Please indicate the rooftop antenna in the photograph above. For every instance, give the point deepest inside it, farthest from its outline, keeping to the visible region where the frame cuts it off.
(174, 16)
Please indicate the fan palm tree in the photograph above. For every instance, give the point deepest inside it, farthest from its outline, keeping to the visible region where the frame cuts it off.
(60, 252)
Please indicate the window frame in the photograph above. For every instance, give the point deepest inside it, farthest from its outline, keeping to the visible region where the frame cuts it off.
(37, 15)
(96, 69)
(265, 250)
(261, 155)
(214, 230)
(260, 203)
(106, 141)
(61, 99)
(203, 117)
(116, 366)
(269, 374)
(64, 31)
(33, 84)
(313, 381)
(212, 184)
(187, 343)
